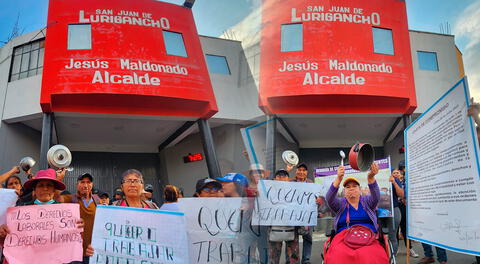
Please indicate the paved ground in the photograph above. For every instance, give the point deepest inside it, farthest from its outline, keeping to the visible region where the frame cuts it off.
(453, 258)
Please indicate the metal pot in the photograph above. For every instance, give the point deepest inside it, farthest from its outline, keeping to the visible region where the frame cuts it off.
(27, 163)
(361, 156)
(59, 157)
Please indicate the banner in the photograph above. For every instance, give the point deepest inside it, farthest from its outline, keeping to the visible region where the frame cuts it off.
(443, 184)
(326, 175)
(220, 231)
(137, 235)
(43, 234)
(8, 198)
(282, 203)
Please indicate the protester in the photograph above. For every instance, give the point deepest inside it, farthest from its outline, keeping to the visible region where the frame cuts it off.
(14, 170)
(233, 184)
(427, 250)
(301, 175)
(278, 234)
(208, 188)
(402, 205)
(87, 202)
(105, 199)
(45, 184)
(393, 223)
(170, 195)
(149, 193)
(117, 195)
(255, 173)
(353, 212)
(132, 188)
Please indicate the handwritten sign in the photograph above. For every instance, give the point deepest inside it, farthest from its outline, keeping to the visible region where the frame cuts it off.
(443, 183)
(8, 197)
(43, 234)
(136, 235)
(220, 230)
(326, 175)
(286, 204)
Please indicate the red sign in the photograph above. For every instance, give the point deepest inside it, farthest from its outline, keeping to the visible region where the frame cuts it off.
(193, 157)
(333, 67)
(126, 69)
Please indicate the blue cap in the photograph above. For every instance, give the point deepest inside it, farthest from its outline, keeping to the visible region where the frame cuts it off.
(234, 177)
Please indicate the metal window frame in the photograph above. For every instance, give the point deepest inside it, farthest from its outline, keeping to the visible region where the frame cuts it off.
(21, 56)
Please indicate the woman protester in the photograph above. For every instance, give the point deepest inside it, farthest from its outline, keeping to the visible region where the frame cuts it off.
(170, 196)
(132, 187)
(355, 222)
(45, 184)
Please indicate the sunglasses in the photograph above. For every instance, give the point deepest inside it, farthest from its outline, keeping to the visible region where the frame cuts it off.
(213, 189)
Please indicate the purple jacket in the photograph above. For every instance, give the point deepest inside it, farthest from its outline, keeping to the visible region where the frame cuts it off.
(369, 203)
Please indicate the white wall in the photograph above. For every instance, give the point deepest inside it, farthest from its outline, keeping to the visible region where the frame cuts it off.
(431, 85)
(21, 98)
(236, 99)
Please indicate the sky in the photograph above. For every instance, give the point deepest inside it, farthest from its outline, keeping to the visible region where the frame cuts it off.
(214, 17)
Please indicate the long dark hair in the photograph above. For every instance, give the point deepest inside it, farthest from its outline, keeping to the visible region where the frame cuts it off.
(14, 177)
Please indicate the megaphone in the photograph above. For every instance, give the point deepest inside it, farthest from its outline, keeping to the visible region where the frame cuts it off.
(27, 163)
(361, 156)
(290, 157)
(59, 157)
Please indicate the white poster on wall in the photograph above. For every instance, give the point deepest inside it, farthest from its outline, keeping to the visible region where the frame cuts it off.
(443, 184)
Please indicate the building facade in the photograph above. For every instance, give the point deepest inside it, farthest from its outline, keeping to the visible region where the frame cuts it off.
(125, 86)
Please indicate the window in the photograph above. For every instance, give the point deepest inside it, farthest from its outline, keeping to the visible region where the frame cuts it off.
(292, 37)
(382, 41)
(427, 60)
(79, 37)
(27, 60)
(174, 44)
(217, 64)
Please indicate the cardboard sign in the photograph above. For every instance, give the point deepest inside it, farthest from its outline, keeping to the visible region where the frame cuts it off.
(8, 197)
(286, 204)
(43, 234)
(220, 230)
(136, 235)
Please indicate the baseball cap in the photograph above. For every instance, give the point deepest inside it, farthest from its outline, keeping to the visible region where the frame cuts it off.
(234, 177)
(349, 179)
(302, 165)
(85, 175)
(282, 173)
(149, 188)
(203, 182)
(104, 195)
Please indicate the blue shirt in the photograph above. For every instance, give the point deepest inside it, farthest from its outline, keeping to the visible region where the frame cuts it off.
(357, 217)
(394, 192)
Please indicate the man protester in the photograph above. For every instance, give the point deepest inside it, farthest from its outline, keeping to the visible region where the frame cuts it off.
(149, 193)
(88, 206)
(301, 175)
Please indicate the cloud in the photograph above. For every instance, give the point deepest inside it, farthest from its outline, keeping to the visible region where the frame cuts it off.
(468, 27)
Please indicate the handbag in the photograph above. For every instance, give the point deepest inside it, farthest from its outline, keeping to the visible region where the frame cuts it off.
(282, 233)
(357, 236)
